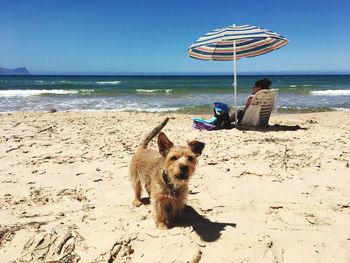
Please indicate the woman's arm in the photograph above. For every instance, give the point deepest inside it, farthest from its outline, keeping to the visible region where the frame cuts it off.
(249, 100)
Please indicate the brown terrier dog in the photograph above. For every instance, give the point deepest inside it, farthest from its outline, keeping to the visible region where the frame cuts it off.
(165, 175)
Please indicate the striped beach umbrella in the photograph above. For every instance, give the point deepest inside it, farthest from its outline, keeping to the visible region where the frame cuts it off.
(233, 43)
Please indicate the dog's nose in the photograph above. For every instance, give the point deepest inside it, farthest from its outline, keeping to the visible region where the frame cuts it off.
(183, 168)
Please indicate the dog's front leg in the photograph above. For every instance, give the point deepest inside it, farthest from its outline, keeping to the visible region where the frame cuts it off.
(163, 214)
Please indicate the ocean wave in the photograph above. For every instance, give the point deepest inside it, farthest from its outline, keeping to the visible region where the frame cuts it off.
(51, 82)
(29, 92)
(114, 82)
(299, 109)
(133, 109)
(75, 82)
(160, 109)
(147, 91)
(338, 92)
(292, 86)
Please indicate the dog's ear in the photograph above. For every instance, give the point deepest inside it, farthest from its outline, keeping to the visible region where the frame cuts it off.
(196, 147)
(164, 144)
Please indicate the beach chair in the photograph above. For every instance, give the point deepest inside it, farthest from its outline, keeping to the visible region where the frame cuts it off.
(259, 111)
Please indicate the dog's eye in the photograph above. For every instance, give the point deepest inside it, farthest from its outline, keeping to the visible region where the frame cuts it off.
(173, 158)
(190, 158)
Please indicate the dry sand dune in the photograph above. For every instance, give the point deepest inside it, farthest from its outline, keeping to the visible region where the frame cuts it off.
(270, 195)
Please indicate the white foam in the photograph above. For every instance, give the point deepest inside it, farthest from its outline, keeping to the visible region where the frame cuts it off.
(341, 109)
(114, 82)
(153, 90)
(337, 92)
(141, 109)
(292, 86)
(29, 92)
(131, 109)
(52, 82)
(146, 90)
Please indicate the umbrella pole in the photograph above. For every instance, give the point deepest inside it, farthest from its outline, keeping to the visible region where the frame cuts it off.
(235, 81)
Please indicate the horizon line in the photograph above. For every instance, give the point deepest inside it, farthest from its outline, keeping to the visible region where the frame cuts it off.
(311, 72)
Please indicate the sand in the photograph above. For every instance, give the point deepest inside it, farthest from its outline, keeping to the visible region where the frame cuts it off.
(279, 195)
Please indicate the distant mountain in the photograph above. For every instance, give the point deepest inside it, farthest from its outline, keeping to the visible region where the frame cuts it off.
(15, 71)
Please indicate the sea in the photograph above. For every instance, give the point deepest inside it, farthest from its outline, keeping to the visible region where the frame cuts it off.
(184, 94)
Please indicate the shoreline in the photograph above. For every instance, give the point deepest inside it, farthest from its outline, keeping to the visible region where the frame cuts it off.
(275, 112)
(167, 94)
(256, 195)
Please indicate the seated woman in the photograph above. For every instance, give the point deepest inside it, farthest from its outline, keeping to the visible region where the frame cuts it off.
(264, 83)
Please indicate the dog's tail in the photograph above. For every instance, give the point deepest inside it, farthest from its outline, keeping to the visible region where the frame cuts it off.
(149, 136)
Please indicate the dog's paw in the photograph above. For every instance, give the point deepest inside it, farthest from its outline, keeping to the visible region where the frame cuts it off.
(137, 203)
(162, 226)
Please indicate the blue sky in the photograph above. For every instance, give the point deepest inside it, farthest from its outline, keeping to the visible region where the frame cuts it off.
(122, 37)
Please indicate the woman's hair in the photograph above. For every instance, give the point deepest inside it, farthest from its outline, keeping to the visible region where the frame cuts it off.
(264, 83)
